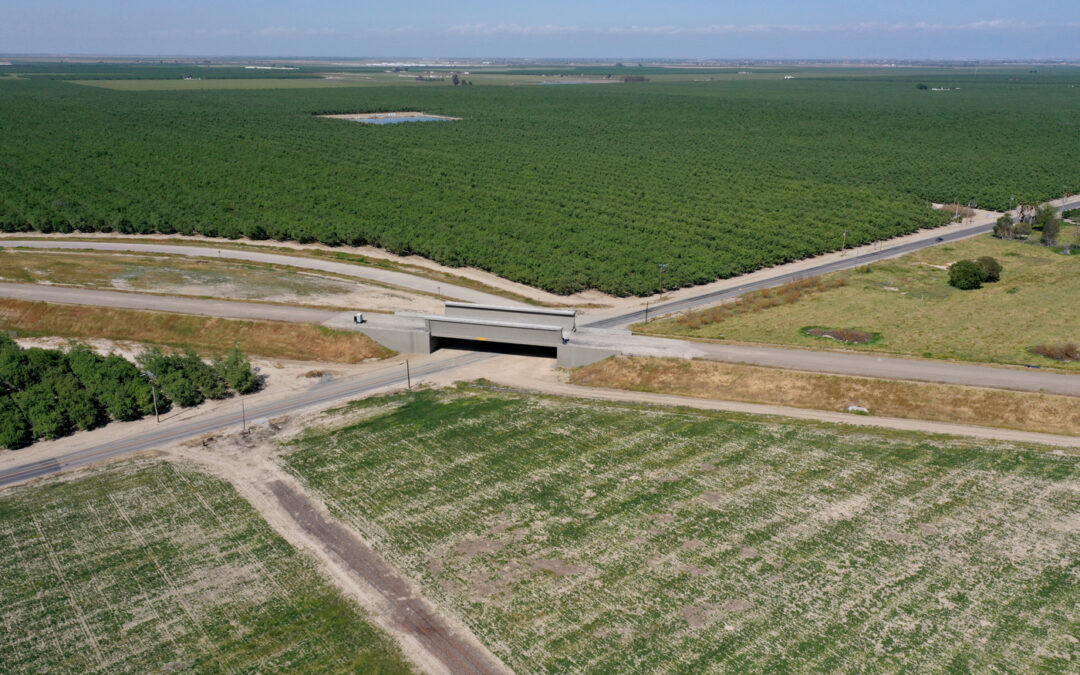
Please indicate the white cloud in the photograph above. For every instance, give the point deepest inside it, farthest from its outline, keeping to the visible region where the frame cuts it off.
(989, 25)
(510, 29)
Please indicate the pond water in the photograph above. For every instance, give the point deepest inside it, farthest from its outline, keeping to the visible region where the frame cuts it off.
(395, 120)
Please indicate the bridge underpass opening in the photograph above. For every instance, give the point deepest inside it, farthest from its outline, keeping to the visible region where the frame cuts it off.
(492, 347)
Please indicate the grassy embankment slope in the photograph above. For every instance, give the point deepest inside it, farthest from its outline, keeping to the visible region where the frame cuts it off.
(910, 303)
(149, 567)
(1044, 413)
(604, 182)
(577, 536)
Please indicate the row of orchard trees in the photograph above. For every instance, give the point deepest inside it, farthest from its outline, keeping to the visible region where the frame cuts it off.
(48, 393)
(562, 188)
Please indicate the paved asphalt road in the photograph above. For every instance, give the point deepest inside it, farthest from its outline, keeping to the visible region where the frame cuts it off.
(335, 390)
(389, 277)
(842, 363)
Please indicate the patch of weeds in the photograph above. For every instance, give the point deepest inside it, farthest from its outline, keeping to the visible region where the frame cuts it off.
(849, 336)
(1061, 352)
(1014, 290)
(788, 294)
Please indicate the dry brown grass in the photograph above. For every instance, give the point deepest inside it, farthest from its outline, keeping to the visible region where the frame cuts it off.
(208, 335)
(1065, 352)
(958, 209)
(914, 400)
(755, 301)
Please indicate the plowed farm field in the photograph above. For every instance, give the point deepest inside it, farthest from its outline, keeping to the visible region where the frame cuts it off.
(150, 567)
(577, 536)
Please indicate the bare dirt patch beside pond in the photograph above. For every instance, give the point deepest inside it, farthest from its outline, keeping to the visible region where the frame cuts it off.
(411, 115)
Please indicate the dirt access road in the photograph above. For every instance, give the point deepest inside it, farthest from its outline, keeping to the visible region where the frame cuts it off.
(409, 612)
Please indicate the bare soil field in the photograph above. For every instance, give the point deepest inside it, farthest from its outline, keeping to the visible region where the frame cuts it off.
(575, 536)
(228, 279)
(207, 335)
(149, 566)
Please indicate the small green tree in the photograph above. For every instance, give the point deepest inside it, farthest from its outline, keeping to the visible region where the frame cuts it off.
(38, 403)
(180, 389)
(966, 275)
(1045, 214)
(15, 431)
(172, 377)
(16, 370)
(991, 269)
(1050, 232)
(237, 372)
(203, 376)
(1004, 227)
(79, 405)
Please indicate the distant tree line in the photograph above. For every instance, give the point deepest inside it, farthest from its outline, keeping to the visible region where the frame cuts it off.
(48, 393)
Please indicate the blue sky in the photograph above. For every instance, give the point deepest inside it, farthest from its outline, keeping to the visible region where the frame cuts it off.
(787, 29)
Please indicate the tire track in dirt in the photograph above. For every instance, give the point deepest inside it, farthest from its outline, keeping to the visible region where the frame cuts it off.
(409, 613)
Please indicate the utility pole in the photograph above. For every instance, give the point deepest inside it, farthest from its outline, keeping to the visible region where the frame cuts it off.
(646, 311)
(243, 416)
(153, 391)
(408, 375)
(843, 245)
(663, 268)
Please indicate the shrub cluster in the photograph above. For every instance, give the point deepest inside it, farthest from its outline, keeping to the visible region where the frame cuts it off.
(971, 274)
(48, 394)
(1064, 352)
(188, 380)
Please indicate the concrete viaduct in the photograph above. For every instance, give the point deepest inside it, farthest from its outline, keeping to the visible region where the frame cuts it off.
(488, 328)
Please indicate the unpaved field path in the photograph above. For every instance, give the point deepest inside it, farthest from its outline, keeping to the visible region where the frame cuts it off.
(410, 613)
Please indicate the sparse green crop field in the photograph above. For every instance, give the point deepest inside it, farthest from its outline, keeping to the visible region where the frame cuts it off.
(581, 537)
(147, 567)
(910, 303)
(560, 187)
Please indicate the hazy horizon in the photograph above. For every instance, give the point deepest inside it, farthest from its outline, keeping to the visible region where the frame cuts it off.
(471, 29)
